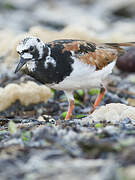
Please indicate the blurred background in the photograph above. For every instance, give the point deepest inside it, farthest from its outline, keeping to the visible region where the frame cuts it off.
(35, 141)
(99, 16)
(93, 20)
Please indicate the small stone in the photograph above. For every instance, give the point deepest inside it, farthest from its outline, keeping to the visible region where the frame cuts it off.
(133, 121)
(126, 121)
(47, 119)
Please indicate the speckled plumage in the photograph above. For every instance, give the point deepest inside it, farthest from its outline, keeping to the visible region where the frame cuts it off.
(69, 64)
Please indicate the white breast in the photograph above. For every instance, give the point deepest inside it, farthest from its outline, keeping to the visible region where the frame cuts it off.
(84, 76)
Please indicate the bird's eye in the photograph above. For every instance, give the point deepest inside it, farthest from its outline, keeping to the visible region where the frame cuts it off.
(18, 52)
(31, 49)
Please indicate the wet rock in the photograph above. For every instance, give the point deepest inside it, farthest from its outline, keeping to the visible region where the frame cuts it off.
(127, 61)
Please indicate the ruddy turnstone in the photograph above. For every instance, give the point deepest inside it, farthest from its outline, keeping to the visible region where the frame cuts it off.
(69, 64)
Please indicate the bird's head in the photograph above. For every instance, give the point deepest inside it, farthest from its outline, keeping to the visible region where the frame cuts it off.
(31, 49)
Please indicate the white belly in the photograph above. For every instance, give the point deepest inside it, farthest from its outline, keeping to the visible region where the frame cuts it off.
(84, 76)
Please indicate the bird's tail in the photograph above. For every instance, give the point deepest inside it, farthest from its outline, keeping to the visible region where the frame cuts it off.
(122, 47)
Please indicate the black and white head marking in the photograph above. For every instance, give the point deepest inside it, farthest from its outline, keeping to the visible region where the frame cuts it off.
(49, 60)
(28, 45)
(31, 50)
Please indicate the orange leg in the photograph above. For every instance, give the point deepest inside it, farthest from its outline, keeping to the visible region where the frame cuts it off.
(98, 99)
(70, 109)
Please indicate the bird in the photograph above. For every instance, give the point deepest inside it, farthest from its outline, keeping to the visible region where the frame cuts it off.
(70, 64)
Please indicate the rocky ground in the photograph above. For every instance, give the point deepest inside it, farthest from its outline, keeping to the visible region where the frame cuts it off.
(35, 140)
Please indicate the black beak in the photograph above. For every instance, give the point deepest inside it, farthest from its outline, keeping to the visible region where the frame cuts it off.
(20, 65)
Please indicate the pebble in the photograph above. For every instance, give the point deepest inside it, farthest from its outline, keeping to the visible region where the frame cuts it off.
(126, 121)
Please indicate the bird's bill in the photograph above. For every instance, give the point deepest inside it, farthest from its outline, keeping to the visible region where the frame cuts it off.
(20, 65)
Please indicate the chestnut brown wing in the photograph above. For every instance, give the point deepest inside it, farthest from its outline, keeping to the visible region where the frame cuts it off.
(90, 53)
(100, 57)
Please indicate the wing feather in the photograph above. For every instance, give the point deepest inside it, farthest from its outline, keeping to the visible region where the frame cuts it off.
(99, 55)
